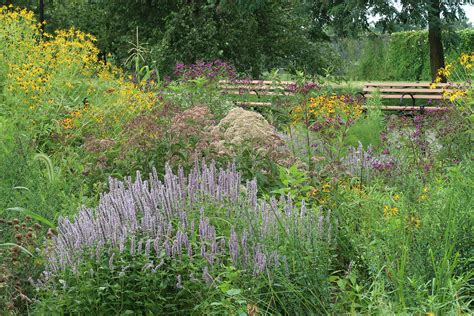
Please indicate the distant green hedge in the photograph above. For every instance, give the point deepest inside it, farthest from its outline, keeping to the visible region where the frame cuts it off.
(403, 55)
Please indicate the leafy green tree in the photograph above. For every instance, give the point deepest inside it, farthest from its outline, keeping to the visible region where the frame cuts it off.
(351, 17)
(254, 35)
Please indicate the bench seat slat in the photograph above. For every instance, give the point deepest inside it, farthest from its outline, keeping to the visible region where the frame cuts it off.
(411, 108)
(256, 87)
(384, 107)
(421, 90)
(243, 103)
(407, 97)
(256, 82)
(282, 93)
(404, 84)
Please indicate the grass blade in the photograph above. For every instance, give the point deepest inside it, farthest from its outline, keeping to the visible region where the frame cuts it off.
(21, 188)
(49, 165)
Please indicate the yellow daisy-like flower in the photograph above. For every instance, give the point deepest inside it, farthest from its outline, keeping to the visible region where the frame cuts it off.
(67, 123)
(327, 106)
(389, 211)
(414, 221)
(467, 60)
(326, 188)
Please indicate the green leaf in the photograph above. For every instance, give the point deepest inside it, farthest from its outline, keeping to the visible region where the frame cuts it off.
(9, 244)
(233, 292)
(224, 287)
(333, 278)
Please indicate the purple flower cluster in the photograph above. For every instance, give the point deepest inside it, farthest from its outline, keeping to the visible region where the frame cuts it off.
(364, 162)
(419, 135)
(158, 219)
(304, 88)
(331, 122)
(216, 69)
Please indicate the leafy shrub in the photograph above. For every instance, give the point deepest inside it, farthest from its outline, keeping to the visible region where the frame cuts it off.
(198, 84)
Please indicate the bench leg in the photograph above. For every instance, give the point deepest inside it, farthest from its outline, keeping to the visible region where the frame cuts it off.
(412, 98)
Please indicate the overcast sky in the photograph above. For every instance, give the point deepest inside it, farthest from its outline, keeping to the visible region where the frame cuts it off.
(468, 9)
(469, 12)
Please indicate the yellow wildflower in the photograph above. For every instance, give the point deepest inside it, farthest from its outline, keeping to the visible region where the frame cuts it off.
(389, 211)
(414, 221)
(326, 188)
(67, 123)
(323, 200)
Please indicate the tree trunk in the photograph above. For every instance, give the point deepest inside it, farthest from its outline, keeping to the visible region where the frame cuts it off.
(435, 40)
(41, 15)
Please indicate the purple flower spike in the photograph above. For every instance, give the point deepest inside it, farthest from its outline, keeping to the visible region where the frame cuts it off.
(151, 219)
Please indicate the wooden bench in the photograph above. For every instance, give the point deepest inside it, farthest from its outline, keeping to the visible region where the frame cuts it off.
(407, 90)
(262, 90)
(259, 89)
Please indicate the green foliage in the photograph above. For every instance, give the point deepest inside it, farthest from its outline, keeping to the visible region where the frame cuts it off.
(49, 166)
(255, 165)
(25, 188)
(415, 250)
(31, 214)
(294, 183)
(199, 91)
(102, 287)
(372, 61)
(254, 36)
(403, 56)
(408, 56)
(366, 130)
(20, 260)
(264, 40)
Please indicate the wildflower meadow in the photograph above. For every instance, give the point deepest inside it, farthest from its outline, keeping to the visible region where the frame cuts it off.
(234, 158)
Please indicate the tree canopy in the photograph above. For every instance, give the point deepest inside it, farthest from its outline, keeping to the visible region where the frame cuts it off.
(253, 35)
(351, 17)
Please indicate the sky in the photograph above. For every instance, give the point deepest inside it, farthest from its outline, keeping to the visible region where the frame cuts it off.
(468, 9)
(469, 12)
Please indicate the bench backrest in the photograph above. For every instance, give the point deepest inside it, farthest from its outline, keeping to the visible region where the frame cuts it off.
(255, 87)
(398, 90)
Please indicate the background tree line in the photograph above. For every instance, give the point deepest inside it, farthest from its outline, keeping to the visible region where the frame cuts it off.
(254, 35)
